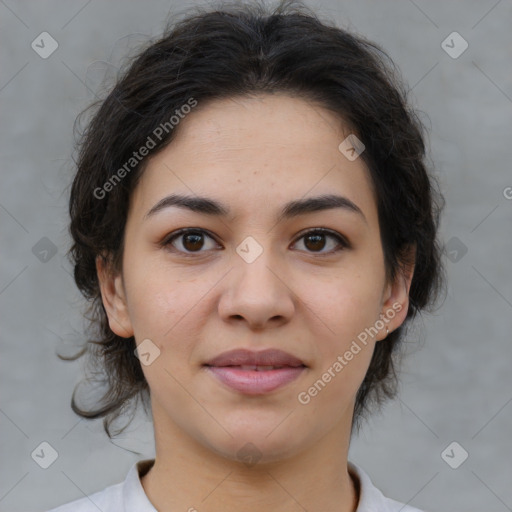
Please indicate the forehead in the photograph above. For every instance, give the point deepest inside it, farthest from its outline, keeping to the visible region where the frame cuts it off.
(254, 152)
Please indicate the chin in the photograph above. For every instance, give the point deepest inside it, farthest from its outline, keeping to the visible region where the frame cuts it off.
(258, 443)
(257, 451)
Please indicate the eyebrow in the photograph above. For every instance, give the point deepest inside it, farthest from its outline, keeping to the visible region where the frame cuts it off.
(208, 206)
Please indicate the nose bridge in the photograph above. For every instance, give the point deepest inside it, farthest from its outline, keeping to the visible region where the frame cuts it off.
(256, 290)
(253, 267)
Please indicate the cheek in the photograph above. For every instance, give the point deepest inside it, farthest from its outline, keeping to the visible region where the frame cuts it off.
(153, 308)
(344, 351)
(157, 296)
(171, 311)
(348, 305)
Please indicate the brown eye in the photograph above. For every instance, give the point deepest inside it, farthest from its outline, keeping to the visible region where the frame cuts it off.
(188, 241)
(316, 240)
(193, 241)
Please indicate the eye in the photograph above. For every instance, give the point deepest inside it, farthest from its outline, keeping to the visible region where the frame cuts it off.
(190, 241)
(315, 241)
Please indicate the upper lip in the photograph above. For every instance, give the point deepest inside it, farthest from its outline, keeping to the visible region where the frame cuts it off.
(244, 357)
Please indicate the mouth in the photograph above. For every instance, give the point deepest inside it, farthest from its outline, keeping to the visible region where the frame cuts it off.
(255, 373)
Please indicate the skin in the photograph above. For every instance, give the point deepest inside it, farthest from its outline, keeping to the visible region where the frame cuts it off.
(253, 155)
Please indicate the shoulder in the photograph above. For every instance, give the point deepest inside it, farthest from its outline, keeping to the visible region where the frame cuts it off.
(127, 496)
(371, 498)
(106, 500)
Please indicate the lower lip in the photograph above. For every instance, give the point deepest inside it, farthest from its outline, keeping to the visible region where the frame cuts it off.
(252, 382)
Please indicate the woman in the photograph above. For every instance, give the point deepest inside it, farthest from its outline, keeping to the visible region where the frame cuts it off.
(255, 226)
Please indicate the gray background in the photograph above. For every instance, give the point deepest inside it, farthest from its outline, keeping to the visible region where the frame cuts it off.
(456, 382)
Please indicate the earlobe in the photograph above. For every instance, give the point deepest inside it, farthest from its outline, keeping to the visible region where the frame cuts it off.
(114, 298)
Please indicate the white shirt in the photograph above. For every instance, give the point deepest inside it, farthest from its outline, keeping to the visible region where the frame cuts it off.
(129, 496)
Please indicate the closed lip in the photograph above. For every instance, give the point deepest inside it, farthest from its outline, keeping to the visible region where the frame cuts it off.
(244, 357)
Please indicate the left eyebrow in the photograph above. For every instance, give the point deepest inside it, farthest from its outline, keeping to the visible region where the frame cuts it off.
(208, 206)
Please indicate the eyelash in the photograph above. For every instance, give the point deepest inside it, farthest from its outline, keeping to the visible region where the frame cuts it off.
(341, 240)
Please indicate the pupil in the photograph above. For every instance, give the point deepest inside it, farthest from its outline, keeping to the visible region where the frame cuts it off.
(196, 241)
(318, 245)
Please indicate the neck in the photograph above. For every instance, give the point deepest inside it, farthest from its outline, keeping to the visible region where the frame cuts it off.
(188, 476)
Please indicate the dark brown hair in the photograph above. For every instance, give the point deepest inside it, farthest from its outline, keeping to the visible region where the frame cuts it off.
(237, 50)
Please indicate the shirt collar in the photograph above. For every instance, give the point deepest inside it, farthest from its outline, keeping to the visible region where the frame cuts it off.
(369, 495)
(135, 499)
(134, 496)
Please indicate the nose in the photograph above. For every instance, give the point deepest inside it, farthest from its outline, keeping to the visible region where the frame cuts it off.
(258, 294)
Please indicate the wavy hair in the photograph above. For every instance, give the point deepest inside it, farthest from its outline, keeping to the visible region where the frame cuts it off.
(234, 50)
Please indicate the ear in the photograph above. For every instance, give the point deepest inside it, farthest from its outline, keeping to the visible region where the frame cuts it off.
(396, 295)
(113, 296)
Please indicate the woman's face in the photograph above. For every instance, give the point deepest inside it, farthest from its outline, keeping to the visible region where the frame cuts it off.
(253, 274)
